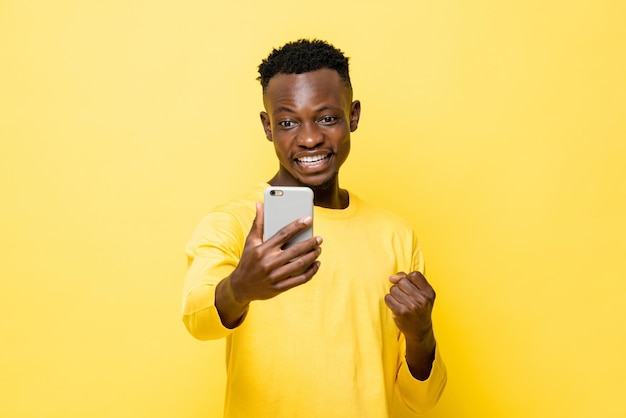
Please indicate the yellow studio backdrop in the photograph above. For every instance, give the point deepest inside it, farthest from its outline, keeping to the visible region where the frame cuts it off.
(496, 128)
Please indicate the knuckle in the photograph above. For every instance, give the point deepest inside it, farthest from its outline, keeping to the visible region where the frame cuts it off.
(292, 252)
(257, 252)
(266, 267)
(302, 262)
(404, 310)
(283, 233)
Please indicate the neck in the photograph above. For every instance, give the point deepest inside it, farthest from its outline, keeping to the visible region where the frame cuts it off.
(334, 198)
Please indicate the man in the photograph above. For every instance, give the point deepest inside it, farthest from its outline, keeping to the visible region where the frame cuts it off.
(351, 332)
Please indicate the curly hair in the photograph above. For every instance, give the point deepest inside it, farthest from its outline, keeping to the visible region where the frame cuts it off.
(303, 56)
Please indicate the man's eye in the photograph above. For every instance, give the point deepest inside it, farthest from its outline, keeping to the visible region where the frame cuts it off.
(328, 119)
(286, 123)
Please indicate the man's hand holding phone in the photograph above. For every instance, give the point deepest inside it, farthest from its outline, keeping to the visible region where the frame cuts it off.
(266, 269)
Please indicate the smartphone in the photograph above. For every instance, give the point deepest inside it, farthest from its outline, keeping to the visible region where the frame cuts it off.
(283, 205)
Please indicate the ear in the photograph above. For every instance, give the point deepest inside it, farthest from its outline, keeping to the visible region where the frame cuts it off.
(355, 115)
(267, 127)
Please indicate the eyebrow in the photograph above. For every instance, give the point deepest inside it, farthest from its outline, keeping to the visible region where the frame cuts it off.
(318, 110)
(284, 109)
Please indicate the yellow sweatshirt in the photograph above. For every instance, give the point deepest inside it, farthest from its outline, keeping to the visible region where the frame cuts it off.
(328, 348)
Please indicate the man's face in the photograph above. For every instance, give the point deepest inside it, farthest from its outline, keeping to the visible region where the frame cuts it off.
(309, 118)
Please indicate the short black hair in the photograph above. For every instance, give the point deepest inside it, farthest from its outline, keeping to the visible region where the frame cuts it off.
(303, 56)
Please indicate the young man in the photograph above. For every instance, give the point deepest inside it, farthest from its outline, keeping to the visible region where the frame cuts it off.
(352, 331)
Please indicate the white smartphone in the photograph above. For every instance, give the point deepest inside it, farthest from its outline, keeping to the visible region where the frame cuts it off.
(283, 205)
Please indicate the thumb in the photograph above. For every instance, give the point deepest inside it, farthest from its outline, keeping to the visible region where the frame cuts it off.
(396, 277)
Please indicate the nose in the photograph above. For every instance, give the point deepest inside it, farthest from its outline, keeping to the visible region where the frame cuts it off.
(310, 136)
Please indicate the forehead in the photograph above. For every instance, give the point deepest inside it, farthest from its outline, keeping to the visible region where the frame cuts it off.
(316, 88)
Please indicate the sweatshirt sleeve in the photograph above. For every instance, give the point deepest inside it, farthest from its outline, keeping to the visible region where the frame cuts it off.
(419, 396)
(212, 254)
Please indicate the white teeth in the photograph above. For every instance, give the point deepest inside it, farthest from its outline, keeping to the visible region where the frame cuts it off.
(311, 159)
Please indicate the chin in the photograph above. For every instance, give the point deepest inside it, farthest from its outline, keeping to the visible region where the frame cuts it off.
(322, 183)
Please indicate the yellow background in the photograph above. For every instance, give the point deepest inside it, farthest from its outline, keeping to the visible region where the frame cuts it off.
(498, 128)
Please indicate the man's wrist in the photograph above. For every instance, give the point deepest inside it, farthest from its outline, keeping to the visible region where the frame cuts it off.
(231, 311)
(421, 336)
(233, 294)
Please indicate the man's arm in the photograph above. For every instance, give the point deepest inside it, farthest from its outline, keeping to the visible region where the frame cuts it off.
(422, 378)
(411, 300)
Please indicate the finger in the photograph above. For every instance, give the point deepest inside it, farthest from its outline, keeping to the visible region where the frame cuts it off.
(415, 295)
(420, 281)
(404, 296)
(287, 265)
(297, 280)
(393, 304)
(280, 260)
(290, 230)
(301, 248)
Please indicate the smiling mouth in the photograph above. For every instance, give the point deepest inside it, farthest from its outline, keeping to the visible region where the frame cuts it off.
(312, 159)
